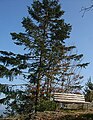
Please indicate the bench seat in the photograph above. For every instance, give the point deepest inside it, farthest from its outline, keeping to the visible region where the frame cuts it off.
(70, 98)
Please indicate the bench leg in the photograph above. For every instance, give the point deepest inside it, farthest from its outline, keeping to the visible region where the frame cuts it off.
(62, 105)
(87, 106)
(82, 106)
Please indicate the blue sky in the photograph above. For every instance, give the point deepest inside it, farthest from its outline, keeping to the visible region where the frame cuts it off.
(82, 31)
(12, 12)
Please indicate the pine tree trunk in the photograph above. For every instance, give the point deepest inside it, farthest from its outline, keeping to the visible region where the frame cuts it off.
(38, 84)
(37, 94)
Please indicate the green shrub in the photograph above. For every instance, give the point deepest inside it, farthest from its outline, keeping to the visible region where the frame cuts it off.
(47, 105)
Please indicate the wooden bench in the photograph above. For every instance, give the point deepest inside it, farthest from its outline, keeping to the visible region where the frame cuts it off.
(70, 98)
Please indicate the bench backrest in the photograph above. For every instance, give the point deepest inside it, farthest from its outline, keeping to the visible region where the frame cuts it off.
(69, 98)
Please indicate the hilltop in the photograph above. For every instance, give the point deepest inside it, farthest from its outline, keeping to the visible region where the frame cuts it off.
(56, 115)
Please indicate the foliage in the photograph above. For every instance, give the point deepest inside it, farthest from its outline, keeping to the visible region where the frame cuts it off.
(46, 105)
(89, 91)
(47, 64)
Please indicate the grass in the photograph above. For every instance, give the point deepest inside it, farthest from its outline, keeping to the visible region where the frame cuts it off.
(57, 115)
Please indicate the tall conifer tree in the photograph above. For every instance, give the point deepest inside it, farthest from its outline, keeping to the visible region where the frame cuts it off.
(45, 57)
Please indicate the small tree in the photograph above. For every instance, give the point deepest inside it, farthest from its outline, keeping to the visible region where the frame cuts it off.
(70, 76)
(88, 91)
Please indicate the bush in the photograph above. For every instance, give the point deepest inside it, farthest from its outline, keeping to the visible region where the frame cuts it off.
(47, 105)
